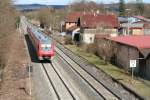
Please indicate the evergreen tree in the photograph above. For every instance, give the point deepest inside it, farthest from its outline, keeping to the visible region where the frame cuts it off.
(139, 7)
(121, 8)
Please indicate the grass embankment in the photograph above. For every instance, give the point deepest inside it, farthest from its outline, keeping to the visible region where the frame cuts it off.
(142, 87)
(8, 19)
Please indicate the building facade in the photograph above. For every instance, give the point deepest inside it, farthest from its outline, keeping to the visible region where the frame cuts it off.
(133, 48)
(92, 24)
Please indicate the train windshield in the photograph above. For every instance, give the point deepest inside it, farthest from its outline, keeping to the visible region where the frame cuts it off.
(46, 47)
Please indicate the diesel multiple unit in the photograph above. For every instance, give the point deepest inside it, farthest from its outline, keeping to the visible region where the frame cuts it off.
(43, 45)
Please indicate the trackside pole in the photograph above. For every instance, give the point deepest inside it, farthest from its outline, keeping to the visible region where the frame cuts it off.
(132, 73)
(30, 92)
(29, 68)
(132, 65)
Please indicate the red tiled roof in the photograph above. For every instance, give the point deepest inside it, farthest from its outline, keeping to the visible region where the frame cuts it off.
(139, 17)
(72, 28)
(140, 42)
(91, 20)
(101, 36)
(72, 17)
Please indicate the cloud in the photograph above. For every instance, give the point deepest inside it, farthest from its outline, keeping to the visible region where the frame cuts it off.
(41, 1)
(56, 2)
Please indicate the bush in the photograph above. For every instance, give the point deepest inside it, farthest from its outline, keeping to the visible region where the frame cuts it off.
(68, 39)
(106, 50)
(91, 48)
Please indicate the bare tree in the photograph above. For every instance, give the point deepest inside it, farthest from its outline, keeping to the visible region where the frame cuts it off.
(44, 16)
(48, 17)
(59, 16)
(106, 50)
(140, 7)
(147, 11)
(8, 19)
(104, 28)
(86, 6)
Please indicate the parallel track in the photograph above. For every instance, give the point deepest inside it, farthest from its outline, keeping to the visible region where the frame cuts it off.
(129, 94)
(52, 83)
(83, 75)
(70, 94)
(45, 65)
(63, 82)
(100, 94)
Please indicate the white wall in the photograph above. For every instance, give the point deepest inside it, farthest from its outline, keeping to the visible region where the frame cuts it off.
(147, 31)
(89, 34)
(88, 38)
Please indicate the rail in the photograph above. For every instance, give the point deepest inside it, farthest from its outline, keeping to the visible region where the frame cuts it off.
(83, 62)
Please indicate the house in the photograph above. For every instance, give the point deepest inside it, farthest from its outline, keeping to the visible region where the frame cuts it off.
(133, 28)
(72, 26)
(133, 48)
(137, 28)
(94, 24)
(122, 20)
(72, 19)
(136, 25)
(91, 24)
(134, 19)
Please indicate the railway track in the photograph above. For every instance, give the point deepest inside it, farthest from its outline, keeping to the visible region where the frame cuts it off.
(62, 92)
(68, 80)
(112, 90)
(96, 86)
(69, 84)
(69, 77)
(71, 81)
(65, 88)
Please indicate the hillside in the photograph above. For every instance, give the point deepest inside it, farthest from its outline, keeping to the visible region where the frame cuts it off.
(29, 7)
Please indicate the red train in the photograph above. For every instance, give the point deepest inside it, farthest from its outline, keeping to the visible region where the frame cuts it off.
(43, 45)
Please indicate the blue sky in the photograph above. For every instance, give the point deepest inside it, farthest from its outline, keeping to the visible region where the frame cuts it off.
(64, 2)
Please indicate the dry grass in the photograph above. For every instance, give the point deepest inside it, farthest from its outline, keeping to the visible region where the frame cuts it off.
(15, 77)
(7, 29)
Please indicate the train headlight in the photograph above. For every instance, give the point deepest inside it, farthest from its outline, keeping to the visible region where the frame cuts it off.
(42, 45)
(46, 45)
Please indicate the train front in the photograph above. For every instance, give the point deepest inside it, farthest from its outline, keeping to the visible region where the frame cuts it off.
(46, 51)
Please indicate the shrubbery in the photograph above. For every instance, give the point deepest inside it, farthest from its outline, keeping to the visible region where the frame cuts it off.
(90, 48)
(68, 39)
(104, 49)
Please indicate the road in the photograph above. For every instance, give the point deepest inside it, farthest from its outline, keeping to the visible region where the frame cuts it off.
(65, 79)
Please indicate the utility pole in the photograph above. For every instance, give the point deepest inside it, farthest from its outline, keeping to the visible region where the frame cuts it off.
(128, 20)
(139, 1)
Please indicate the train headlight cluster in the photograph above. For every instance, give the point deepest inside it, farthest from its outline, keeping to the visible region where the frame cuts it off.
(46, 45)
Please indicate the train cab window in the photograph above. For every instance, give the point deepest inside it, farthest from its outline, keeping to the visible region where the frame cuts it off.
(45, 47)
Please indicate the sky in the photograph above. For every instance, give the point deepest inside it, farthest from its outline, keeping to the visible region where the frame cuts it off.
(65, 2)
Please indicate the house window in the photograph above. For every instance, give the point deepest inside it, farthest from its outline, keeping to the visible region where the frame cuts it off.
(90, 39)
(78, 22)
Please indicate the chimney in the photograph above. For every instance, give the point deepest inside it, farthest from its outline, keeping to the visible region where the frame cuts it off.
(92, 10)
(97, 11)
(84, 13)
(94, 14)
